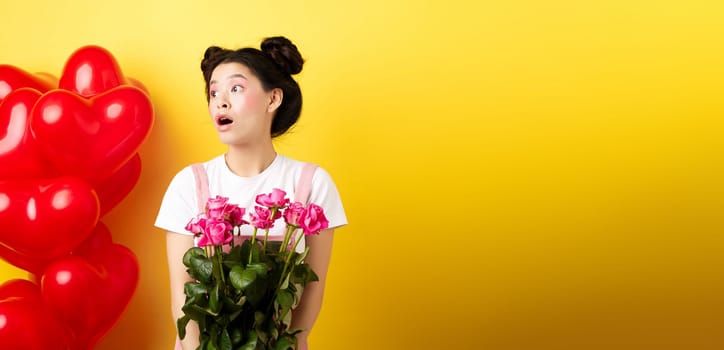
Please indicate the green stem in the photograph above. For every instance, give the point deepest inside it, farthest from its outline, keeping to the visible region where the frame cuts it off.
(253, 236)
(220, 262)
(289, 257)
(287, 235)
(266, 234)
(233, 236)
(296, 243)
(251, 250)
(271, 217)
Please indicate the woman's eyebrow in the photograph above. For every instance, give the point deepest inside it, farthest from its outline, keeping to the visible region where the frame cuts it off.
(237, 75)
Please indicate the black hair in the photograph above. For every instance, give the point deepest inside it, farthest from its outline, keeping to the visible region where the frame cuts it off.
(274, 66)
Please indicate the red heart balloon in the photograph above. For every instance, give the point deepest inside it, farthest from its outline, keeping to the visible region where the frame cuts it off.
(20, 155)
(92, 138)
(48, 78)
(137, 83)
(26, 322)
(34, 265)
(89, 293)
(97, 241)
(100, 237)
(18, 288)
(113, 189)
(91, 70)
(46, 219)
(13, 78)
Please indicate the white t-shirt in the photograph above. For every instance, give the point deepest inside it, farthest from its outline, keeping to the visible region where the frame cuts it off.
(180, 203)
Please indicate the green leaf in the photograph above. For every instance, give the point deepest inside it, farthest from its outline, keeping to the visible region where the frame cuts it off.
(217, 335)
(261, 269)
(298, 290)
(263, 337)
(225, 340)
(256, 292)
(312, 277)
(300, 257)
(235, 335)
(285, 283)
(303, 274)
(294, 332)
(241, 278)
(231, 307)
(259, 317)
(234, 255)
(285, 299)
(273, 332)
(212, 345)
(283, 305)
(234, 315)
(201, 268)
(196, 312)
(181, 325)
(254, 252)
(273, 246)
(214, 304)
(251, 342)
(284, 343)
(194, 289)
(195, 251)
(245, 250)
(204, 341)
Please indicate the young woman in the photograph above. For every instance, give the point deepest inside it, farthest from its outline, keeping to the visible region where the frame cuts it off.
(252, 98)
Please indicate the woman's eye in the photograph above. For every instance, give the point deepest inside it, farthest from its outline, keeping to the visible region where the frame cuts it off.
(212, 93)
(236, 88)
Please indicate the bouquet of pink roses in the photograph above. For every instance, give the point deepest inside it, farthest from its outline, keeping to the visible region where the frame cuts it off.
(243, 294)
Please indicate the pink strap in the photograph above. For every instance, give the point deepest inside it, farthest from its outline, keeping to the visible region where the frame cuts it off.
(304, 185)
(202, 185)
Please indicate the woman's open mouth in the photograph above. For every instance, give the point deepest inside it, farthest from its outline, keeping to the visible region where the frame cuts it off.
(223, 120)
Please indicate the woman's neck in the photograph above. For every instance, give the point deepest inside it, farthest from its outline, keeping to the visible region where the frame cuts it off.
(247, 161)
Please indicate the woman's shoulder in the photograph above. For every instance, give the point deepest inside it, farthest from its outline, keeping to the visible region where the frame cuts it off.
(317, 175)
(297, 166)
(185, 175)
(217, 161)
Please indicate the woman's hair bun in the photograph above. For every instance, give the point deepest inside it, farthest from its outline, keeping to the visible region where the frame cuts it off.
(284, 53)
(211, 56)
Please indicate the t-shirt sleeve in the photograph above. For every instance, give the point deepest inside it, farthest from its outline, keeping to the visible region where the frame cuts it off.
(179, 204)
(324, 193)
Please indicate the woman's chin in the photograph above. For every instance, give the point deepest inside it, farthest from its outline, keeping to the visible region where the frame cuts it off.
(231, 140)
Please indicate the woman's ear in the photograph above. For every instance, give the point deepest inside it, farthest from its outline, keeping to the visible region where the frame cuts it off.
(275, 99)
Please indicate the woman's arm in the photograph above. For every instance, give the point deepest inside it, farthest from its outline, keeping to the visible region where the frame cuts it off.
(320, 252)
(176, 246)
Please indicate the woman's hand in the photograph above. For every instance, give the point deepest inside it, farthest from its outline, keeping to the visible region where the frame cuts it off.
(302, 343)
(176, 246)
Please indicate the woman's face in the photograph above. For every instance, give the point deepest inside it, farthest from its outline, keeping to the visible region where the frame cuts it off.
(238, 105)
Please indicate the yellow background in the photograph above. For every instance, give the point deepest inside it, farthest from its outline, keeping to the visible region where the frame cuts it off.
(517, 174)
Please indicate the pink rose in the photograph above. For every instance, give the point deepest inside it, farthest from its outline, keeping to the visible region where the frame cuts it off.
(236, 214)
(215, 207)
(293, 213)
(197, 225)
(217, 232)
(275, 199)
(313, 220)
(261, 218)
